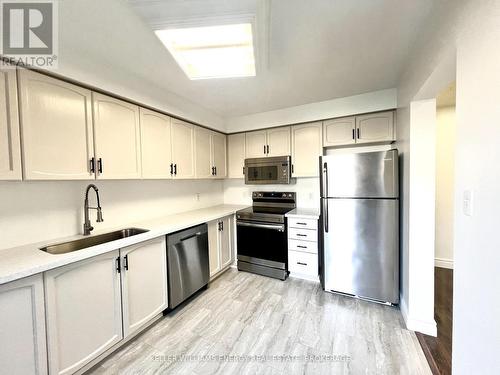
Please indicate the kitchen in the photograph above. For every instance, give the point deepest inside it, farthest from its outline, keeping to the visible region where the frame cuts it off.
(143, 232)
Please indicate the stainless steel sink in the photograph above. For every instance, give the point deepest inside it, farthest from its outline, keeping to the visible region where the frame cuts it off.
(67, 247)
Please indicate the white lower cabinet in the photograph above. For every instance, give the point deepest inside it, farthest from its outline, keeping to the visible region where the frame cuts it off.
(22, 327)
(93, 304)
(220, 235)
(144, 283)
(303, 247)
(84, 314)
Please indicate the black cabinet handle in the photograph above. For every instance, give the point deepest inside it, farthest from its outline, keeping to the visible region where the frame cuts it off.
(222, 225)
(99, 165)
(302, 264)
(175, 169)
(118, 267)
(353, 134)
(171, 168)
(301, 235)
(243, 170)
(268, 149)
(302, 247)
(292, 168)
(125, 262)
(359, 134)
(264, 149)
(215, 171)
(92, 165)
(301, 223)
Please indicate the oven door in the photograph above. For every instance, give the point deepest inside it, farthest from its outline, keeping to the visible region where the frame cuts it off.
(261, 243)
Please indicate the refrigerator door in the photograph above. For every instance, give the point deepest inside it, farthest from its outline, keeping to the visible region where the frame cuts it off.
(360, 175)
(361, 255)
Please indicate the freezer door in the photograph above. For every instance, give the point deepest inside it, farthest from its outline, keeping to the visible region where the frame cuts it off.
(360, 249)
(360, 175)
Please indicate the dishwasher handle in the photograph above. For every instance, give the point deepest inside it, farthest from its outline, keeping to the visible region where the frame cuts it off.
(191, 236)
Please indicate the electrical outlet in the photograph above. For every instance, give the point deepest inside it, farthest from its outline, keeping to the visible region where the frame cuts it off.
(468, 202)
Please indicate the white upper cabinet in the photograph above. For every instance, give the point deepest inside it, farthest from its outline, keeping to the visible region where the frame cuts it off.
(271, 142)
(144, 283)
(307, 146)
(375, 127)
(83, 308)
(255, 144)
(278, 142)
(10, 148)
(117, 138)
(339, 131)
(203, 152)
(22, 327)
(56, 124)
(236, 155)
(183, 149)
(218, 143)
(156, 144)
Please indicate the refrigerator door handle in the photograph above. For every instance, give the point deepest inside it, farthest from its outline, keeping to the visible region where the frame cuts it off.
(325, 214)
(325, 180)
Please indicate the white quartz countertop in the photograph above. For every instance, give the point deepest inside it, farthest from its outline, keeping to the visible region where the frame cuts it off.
(303, 213)
(27, 260)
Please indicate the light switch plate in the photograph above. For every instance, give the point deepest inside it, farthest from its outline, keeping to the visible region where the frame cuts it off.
(468, 200)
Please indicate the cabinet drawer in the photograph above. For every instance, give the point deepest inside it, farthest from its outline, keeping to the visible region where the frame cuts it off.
(303, 263)
(303, 223)
(303, 234)
(304, 246)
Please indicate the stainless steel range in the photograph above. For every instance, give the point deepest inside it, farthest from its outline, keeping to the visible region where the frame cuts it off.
(262, 235)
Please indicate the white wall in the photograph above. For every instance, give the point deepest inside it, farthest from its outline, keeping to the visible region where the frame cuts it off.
(420, 307)
(351, 105)
(307, 189)
(39, 211)
(445, 171)
(472, 29)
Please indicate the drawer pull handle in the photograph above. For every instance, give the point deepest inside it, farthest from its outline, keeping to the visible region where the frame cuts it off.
(301, 235)
(302, 264)
(302, 223)
(302, 247)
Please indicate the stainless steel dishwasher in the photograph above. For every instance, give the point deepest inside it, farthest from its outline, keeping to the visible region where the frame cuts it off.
(187, 263)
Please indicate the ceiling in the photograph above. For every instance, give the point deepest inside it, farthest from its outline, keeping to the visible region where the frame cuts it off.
(307, 51)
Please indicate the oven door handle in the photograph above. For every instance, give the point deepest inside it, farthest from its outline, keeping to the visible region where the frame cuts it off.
(278, 227)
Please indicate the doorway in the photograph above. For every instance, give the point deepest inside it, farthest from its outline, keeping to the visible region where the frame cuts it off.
(438, 349)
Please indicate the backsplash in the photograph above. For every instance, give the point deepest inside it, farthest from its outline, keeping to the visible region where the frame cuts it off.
(307, 189)
(38, 211)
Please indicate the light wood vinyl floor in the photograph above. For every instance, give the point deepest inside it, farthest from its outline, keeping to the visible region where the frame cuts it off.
(247, 319)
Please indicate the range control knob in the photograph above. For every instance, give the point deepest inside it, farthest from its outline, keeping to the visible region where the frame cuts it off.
(284, 195)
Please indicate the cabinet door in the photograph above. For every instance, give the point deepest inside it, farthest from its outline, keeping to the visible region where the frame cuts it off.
(278, 141)
(339, 132)
(255, 143)
(203, 152)
(375, 127)
(22, 327)
(144, 283)
(83, 308)
(219, 154)
(226, 250)
(56, 127)
(156, 144)
(307, 146)
(236, 155)
(213, 247)
(183, 149)
(10, 147)
(117, 138)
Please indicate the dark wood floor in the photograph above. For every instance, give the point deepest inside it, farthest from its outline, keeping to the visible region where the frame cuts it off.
(438, 349)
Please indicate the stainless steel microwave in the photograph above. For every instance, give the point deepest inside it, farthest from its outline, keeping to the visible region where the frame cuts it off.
(271, 170)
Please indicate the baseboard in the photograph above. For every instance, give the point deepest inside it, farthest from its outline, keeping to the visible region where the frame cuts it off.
(425, 327)
(304, 277)
(443, 263)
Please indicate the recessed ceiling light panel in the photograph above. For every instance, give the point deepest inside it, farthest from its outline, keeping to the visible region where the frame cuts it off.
(213, 51)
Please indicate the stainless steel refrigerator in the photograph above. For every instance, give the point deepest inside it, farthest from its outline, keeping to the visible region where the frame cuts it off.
(360, 223)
